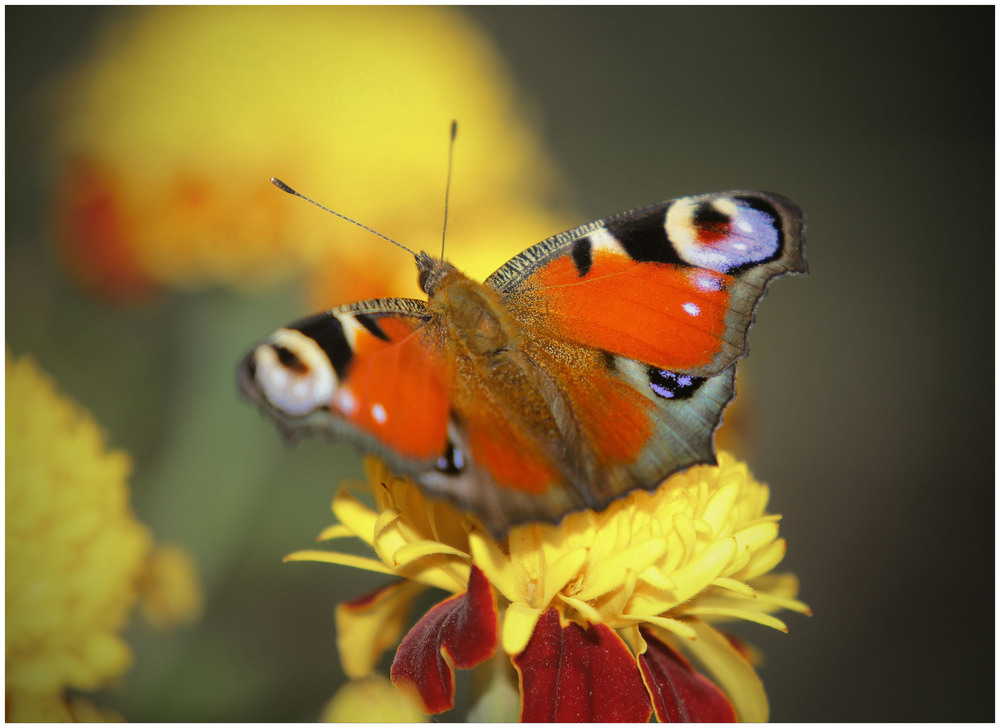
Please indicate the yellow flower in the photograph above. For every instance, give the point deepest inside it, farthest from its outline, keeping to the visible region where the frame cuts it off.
(654, 569)
(166, 138)
(75, 554)
(371, 699)
(170, 589)
(30, 708)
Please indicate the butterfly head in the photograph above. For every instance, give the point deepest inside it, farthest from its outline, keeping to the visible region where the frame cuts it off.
(431, 271)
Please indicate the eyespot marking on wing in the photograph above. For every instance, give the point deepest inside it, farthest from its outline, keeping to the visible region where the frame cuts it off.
(643, 238)
(672, 385)
(723, 233)
(332, 336)
(292, 372)
(452, 462)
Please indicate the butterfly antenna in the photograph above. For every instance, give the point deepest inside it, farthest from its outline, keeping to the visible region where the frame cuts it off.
(285, 188)
(447, 183)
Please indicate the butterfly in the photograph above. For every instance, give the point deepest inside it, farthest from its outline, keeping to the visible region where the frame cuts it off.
(595, 363)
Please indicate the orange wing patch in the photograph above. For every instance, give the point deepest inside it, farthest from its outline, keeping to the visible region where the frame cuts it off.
(617, 420)
(396, 390)
(670, 316)
(511, 459)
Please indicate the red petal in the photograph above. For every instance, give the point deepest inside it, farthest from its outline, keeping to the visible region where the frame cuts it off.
(572, 674)
(459, 632)
(367, 601)
(680, 694)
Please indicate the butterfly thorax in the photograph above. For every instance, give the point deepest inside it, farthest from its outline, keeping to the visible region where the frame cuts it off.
(500, 382)
(473, 314)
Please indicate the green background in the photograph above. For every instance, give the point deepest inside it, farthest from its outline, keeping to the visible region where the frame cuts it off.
(872, 377)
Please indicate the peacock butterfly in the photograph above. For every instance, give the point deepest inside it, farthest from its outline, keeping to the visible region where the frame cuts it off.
(594, 363)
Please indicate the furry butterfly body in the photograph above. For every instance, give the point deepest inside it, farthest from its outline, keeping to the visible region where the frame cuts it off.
(594, 363)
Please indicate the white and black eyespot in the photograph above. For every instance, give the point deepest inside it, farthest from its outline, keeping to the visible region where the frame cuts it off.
(673, 385)
(723, 233)
(641, 236)
(452, 462)
(334, 334)
(292, 372)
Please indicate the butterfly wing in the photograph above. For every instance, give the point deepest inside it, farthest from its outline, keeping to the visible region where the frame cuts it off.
(365, 373)
(674, 285)
(638, 321)
(385, 376)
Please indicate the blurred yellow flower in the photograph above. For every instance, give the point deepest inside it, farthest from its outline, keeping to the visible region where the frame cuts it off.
(170, 591)
(658, 565)
(166, 138)
(371, 699)
(75, 554)
(25, 707)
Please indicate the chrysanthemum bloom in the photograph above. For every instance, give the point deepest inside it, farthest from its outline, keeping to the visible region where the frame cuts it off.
(77, 560)
(602, 616)
(165, 139)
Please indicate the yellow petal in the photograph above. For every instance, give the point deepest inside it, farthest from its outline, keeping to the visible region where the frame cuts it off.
(733, 674)
(703, 609)
(443, 572)
(371, 700)
(635, 558)
(586, 611)
(764, 560)
(419, 549)
(518, 625)
(778, 591)
(693, 577)
(734, 585)
(337, 530)
(720, 506)
(355, 515)
(757, 536)
(676, 626)
(333, 557)
(561, 572)
(364, 633)
(495, 564)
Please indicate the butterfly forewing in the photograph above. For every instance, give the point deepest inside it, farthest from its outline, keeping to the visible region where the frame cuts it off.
(674, 284)
(368, 373)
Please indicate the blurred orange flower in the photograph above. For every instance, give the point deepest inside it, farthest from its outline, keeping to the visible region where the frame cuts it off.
(167, 136)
